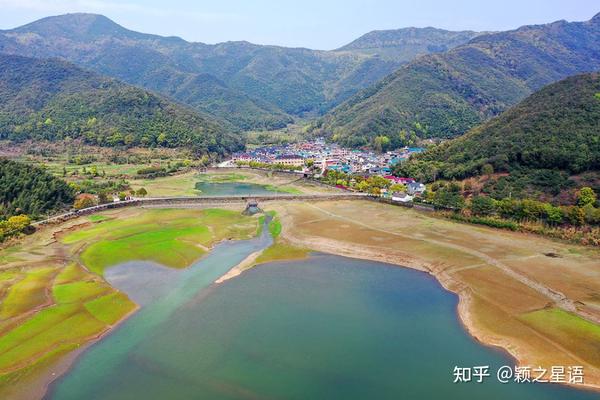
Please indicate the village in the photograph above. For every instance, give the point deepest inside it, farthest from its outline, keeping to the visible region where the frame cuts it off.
(342, 167)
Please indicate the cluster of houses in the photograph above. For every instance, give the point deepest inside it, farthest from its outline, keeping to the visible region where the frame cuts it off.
(326, 156)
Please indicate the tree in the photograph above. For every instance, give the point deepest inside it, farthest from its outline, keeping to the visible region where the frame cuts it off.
(17, 223)
(482, 205)
(122, 196)
(487, 169)
(363, 186)
(84, 200)
(554, 215)
(381, 143)
(103, 198)
(398, 187)
(586, 196)
(576, 216)
(446, 198)
(142, 192)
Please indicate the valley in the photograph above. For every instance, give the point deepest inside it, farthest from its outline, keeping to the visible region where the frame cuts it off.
(408, 214)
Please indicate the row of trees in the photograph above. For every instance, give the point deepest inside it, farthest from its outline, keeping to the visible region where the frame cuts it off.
(280, 167)
(372, 184)
(586, 211)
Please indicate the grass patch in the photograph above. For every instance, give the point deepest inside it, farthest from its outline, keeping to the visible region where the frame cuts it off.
(110, 308)
(98, 218)
(175, 238)
(275, 227)
(71, 273)
(283, 189)
(281, 252)
(175, 185)
(571, 331)
(49, 328)
(77, 292)
(27, 293)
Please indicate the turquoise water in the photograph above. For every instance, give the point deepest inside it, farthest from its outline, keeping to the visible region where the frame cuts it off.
(323, 328)
(233, 189)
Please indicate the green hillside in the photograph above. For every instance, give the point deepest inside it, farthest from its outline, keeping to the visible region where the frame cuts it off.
(54, 100)
(26, 189)
(444, 95)
(554, 131)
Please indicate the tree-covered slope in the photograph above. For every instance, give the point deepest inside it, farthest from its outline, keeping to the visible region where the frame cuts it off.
(556, 128)
(252, 86)
(55, 100)
(26, 189)
(444, 95)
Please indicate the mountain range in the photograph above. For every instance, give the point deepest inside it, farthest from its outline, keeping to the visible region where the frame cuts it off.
(444, 95)
(249, 85)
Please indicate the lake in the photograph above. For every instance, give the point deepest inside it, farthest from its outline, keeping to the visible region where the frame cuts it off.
(234, 189)
(323, 328)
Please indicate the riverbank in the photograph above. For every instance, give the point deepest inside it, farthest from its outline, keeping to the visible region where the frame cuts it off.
(507, 284)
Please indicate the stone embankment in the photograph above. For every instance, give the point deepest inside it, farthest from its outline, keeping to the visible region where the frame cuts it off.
(197, 200)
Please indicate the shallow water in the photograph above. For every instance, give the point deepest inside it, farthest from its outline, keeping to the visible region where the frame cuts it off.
(233, 189)
(323, 328)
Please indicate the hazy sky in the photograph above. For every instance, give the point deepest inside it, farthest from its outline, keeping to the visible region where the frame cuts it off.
(318, 24)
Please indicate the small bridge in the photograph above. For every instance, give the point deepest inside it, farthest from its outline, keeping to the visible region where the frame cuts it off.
(199, 200)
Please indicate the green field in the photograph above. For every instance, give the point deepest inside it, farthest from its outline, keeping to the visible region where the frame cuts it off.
(48, 310)
(27, 293)
(571, 331)
(75, 314)
(175, 238)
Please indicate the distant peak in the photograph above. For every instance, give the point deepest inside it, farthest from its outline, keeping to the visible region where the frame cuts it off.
(596, 18)
(78, 24)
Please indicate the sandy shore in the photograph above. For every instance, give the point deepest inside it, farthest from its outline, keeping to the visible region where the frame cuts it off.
(240, 268)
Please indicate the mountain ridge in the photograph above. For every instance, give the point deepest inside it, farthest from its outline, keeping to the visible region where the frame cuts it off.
(446, 94)
(293, 81)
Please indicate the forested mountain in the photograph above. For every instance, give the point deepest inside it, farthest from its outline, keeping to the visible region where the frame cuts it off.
(444, 95)
(406, 44)
(251, 86)
(26, 189)
(55, 100)
(556, 129)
